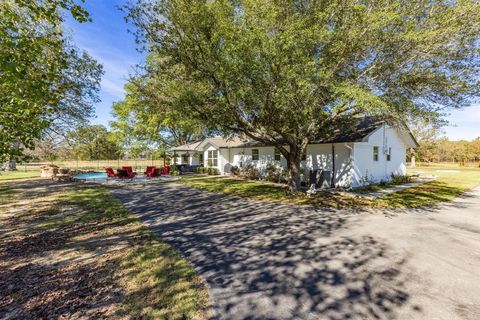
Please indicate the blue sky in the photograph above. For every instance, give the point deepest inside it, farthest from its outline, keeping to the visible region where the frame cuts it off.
(108, 41)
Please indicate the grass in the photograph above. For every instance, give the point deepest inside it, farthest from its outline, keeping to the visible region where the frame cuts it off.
(244, 188)
(155, 281)
(14, 175)
(6, 192)
(447, 186)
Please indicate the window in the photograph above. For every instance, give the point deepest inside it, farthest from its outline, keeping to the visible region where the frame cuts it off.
(185, 158)
(212, 158)
(255, 155)
(277, 155)
(389, 154)
(375, 153)
(200, 158)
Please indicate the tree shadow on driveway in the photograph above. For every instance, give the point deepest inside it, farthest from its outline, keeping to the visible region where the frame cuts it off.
(271, 261)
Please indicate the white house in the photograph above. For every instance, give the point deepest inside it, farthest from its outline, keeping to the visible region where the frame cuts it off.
(371, 151)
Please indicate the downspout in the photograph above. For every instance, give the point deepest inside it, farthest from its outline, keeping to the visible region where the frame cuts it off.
(332, 183)
(384, 149)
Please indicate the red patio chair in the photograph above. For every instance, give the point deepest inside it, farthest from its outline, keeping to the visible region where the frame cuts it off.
(130, 173)
(111, 173)
(150, 171)
(166, 170)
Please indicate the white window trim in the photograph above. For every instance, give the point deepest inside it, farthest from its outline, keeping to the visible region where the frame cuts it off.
(376, 153)
(258, 155)
(276, 153)
(211, 159)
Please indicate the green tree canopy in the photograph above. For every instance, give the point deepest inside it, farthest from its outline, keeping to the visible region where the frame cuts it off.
(290, 72)
(44, 80)
(92, 142)
(145, 120)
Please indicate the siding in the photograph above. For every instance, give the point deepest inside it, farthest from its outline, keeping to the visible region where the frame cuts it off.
(353, 161)
(319, 156)
(365, 167)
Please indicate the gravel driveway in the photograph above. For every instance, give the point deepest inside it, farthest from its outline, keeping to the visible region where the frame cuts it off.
(270, 261)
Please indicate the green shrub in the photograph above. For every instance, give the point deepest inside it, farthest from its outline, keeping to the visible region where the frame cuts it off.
(272, 173)
(201, 169)
(383, 183)
(401, 179)
(212, 171)
(250, 172)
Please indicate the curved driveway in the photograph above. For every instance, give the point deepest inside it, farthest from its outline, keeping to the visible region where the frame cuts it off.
(270, 261)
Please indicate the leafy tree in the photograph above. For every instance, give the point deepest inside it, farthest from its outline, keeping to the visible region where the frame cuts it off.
(291, 72)
(427, 134)
(145, 121)
(81, 83)
(92, 143)
(437, 149)
(43, 79)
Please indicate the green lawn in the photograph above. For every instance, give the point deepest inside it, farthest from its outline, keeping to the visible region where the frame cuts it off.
(14, 175)
(447, 186)
(155, 281)
(245, 188)
(6, 193)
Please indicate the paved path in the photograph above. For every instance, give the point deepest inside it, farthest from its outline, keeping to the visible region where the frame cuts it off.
(270, 261)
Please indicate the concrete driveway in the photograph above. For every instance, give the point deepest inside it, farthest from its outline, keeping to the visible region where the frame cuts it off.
(270, 261)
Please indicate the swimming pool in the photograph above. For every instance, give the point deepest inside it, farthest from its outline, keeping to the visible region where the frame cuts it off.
(91, 176)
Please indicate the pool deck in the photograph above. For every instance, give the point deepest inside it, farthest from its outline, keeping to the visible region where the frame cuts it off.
(135, 180)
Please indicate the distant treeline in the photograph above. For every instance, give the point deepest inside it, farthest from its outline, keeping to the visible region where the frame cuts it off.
(444, 150)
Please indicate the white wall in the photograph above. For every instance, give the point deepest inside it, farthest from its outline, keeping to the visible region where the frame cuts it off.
(319, 156)
(222, 158)
(364, 165)
(243, 157)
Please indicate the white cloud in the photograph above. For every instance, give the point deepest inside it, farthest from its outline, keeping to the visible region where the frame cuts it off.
(114, 88)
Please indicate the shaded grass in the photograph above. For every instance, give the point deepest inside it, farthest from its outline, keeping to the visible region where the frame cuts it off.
(244, 188)
(155, 281)
(158, 282)
(14, 175)
(446, 187)
(6, 192)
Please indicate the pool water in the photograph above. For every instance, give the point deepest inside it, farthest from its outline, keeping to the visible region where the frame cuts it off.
(91, 176)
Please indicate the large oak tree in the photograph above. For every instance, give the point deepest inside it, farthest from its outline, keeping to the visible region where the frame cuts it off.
(291, 72)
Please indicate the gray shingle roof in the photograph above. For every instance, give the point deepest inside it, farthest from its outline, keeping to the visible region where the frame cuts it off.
(357, 132)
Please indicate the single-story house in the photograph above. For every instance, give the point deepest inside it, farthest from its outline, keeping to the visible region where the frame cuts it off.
(371, 151)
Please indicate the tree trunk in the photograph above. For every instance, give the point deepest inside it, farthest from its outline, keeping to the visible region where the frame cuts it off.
(10, 165)
(293, 164)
